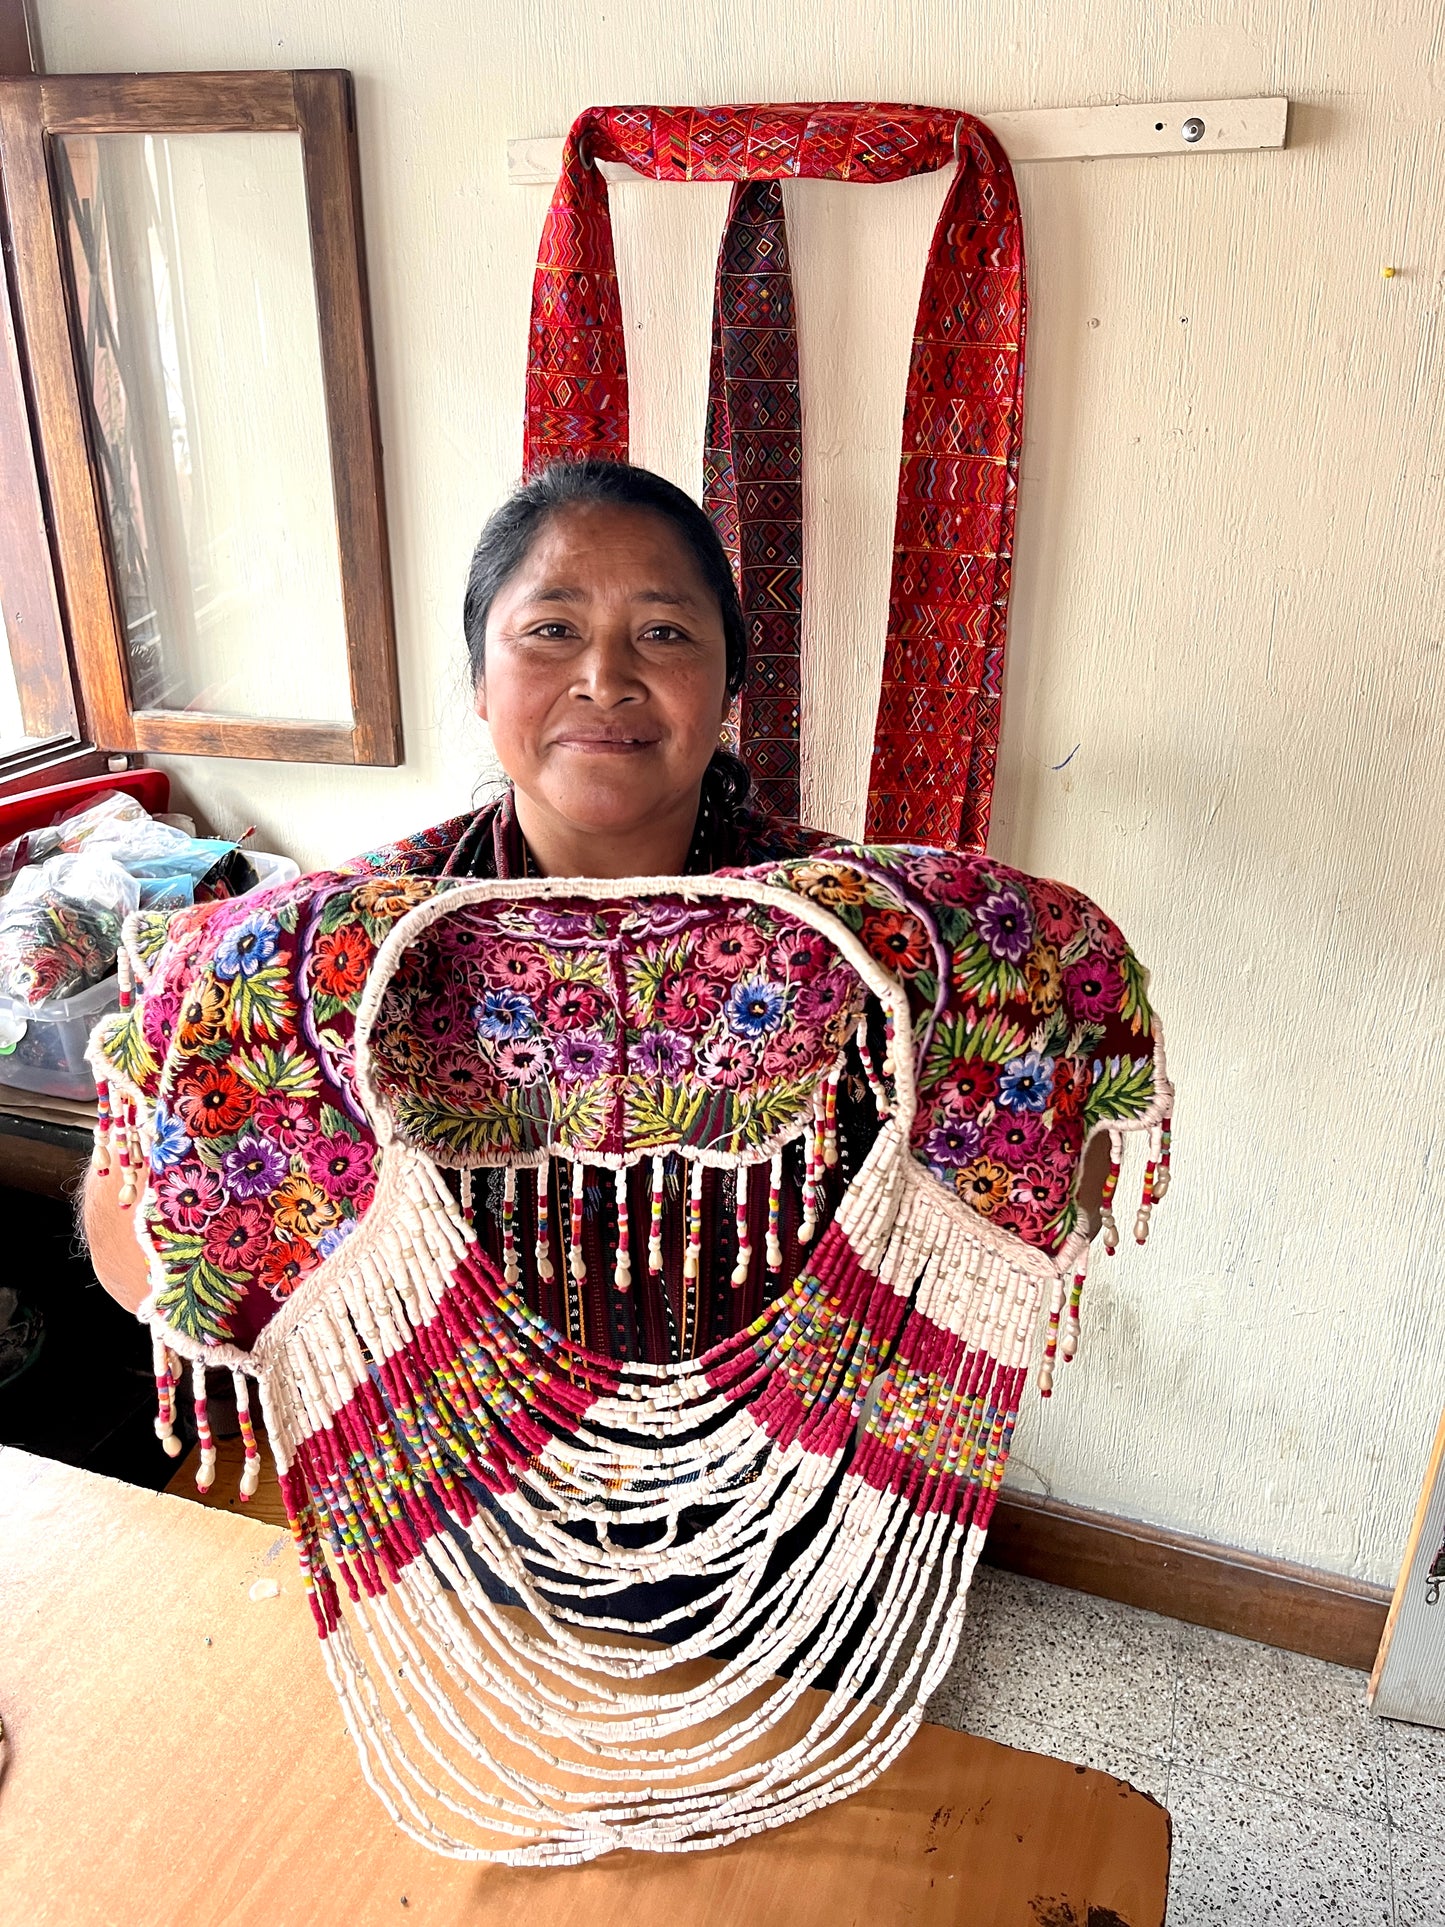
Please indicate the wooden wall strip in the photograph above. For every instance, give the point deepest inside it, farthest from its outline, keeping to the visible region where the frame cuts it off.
(1297, 1608)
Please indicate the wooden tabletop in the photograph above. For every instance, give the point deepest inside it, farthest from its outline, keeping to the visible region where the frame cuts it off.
(174, 1758)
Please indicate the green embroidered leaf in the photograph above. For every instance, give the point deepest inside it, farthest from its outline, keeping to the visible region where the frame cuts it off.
(263, 1002)
(771, 1113)
(338, 908)
(289, 915)
(1136, 995)
(994, 1038)
(577, 966)
(645, 977)
(991, 979)
(582, 1111)
(1050, 1034)
(659, 1114)
(199, 1298)
(1083, 1038)
(125, 1047)
(336, 1123)
(489, 1125)
(1123, 1088)
(288, 1071)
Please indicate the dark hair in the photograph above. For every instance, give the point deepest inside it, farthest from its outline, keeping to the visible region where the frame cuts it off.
(509, 534)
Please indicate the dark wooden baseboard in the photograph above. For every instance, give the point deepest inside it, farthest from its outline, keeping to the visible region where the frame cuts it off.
(1297, 1608)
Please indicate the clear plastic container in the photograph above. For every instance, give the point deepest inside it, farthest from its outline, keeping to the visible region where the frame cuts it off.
(44, 1050)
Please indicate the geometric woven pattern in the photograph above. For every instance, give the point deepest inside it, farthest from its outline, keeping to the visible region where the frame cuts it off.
(936, 737)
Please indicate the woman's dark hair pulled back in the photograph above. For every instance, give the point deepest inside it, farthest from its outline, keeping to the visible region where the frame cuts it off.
(506, 540)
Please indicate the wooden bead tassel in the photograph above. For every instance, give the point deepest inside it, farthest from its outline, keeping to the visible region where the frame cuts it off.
(165, 1376)
(251, 1470)
(1108, 1225)
(206, 1470)
(100, 1157)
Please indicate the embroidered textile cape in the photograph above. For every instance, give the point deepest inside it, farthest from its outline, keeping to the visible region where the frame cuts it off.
(312, 1083)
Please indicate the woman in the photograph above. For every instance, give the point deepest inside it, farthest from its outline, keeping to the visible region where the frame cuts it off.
(606, 643)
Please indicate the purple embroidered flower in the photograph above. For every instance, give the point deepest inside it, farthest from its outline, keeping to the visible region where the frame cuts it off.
(253, 1168)
(662, 1053)
(1005, 924)
(561, 925)
(816, 1002)
(659, 920)
(952, 1142)
(521, 1061)
(169, 1142)
(505, 1014)
(1026, 1082)
(726, 1062)
(582, 1054)
(755, 1007)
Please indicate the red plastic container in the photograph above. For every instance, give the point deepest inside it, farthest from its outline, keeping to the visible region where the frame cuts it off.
(35, 809)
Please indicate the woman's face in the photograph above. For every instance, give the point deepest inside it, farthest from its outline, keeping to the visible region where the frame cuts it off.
(604, 682)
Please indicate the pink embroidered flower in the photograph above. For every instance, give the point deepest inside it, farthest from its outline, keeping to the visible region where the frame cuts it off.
(824, 998)
(726, 1062)
(948, 879)
(340, 1165)
(236, 1238)
(569, 1006)
(728, 949)
(689, 1004)
(789, 1053)
(158, 1021)
(1105, 938)
(1040, 1188)
(188, 1196)
(799, 956)
(968, 1086)
(287, 1120)
(1014, 1137)
(516, 966)
(1094, 989)
(522, 1061)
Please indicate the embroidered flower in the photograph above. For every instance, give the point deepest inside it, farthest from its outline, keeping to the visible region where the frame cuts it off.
(285, 1265)
(521, 1061)
(336, 1236)
(662, 1053)
(689, 1004)
(799, 955)
(188, 1196)
(158, 1020)
(288, 1120)
(340, 961)
(983, 1184)
(728, 949)
(399, 1047)
(562, 926)
(211, 1100)
(569, 1006)
(1094, 989)
(897, 940)
(391, 896)
(1055, 912)
(824, 998)
(303, 1208)
(789, 1053)
(204, 1014)
(1026, 1082)
(829, 883)
(169, 1141)
(517, 966)
(505, 1014)
(253, 1167)
(237, 1238)
(1005, 925)
(756, 1008)
(247, 949)
(1104, 937)
(970, 1084)
(1071, 1087)
(1038, 1186)
(945, 878)
(582, 1054)
(952, 1142)
(1022, 1218)
(726, 1062)
(460, 1077)
(1044, 979)
(1015, 1136)
(340, 1165)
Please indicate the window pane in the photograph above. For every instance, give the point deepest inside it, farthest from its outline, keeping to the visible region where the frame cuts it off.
(13, 733)
(190, 258)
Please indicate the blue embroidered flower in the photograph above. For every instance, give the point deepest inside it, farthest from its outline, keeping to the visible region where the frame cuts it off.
(248, 948)
(338, 1234)
(1005, 924)
(755, 1008)
(169, 1142)
(1026, 1083)
(505, 1014)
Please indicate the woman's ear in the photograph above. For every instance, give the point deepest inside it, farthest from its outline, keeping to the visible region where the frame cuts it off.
(479, 697)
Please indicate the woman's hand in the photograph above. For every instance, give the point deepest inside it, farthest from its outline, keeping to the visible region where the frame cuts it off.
(118, 1261)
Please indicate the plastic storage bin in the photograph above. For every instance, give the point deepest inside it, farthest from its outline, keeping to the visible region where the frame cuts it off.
(44, 1050)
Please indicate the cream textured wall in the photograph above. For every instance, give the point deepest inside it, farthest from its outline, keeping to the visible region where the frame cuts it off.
(1228, 615)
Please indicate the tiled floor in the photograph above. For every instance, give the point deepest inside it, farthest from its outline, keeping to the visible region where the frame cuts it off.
(1291, 1804)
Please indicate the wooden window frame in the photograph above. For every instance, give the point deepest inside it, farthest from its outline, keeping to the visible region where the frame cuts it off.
(318, 104)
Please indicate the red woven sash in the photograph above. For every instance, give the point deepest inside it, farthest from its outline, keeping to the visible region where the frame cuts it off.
(936, 738)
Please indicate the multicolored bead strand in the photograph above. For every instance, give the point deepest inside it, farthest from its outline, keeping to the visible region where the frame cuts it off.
(1069, 1344)
(623, 1270)
(164, 1368)
(830, 1116)
(743, 1263)
(775, 1209)
(468, 1208)
(100, 1157)
(1161, 1176)
(206, 1470)
(127, 1195)
(874, 1078)
(654, 1231)
(251, 1470)
(1051, 1342)
(544, 1222)
(577, 1257)
(1108, 1224)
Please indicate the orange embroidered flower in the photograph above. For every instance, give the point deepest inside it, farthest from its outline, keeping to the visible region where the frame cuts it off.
(983, 1184)
(204, 1014)
(1044, 978)
(830, 885)
(390, 896)
(340, 962)
(303, 1208)
(897, 940)
(284, 1266)
(211, 1100)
